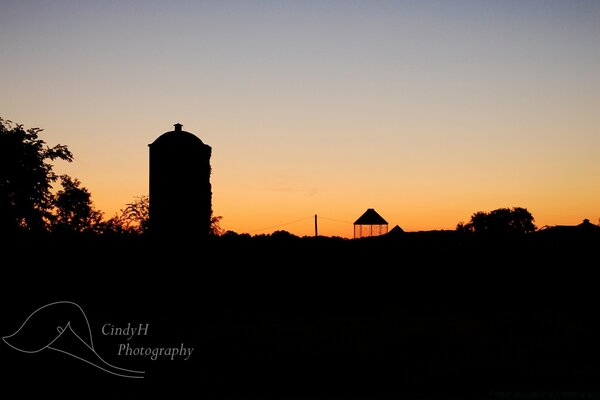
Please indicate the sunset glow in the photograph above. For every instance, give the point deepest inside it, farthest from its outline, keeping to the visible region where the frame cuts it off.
(426, 111)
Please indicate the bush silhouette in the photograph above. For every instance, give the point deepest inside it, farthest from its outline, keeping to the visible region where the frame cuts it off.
(502, 221)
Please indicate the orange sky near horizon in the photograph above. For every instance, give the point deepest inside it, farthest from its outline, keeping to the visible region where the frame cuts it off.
(426, 111)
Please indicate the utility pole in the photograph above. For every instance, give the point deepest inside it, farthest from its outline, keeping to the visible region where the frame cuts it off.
(316, 229)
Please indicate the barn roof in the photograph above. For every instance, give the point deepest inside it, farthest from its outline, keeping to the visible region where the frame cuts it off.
(370, 217)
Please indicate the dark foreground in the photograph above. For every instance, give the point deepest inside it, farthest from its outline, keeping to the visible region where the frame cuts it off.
(419, 316)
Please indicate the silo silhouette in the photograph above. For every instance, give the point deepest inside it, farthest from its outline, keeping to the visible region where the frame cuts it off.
(180, 190)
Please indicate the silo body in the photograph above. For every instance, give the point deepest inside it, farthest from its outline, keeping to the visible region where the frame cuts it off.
(180, 190)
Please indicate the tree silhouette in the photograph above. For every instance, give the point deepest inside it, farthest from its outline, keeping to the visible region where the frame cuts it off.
(74, 211)
(502, 221)
(136, 214)
(26, 177)
(133, 220)
(215, 226)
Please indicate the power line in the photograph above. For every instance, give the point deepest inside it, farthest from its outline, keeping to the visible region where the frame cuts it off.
(335, 220)
(284, 224)
(299, 220)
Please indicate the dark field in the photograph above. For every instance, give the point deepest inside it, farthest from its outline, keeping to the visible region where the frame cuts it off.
(424, 315)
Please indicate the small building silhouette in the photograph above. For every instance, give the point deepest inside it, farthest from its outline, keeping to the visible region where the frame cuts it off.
(180, 190)
(584, 230)
(396, 231)
(370, 224)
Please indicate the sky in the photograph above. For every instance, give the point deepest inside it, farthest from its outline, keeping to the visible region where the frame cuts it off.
(427, 111)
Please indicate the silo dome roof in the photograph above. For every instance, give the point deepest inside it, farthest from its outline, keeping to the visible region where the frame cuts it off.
(178, 136)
